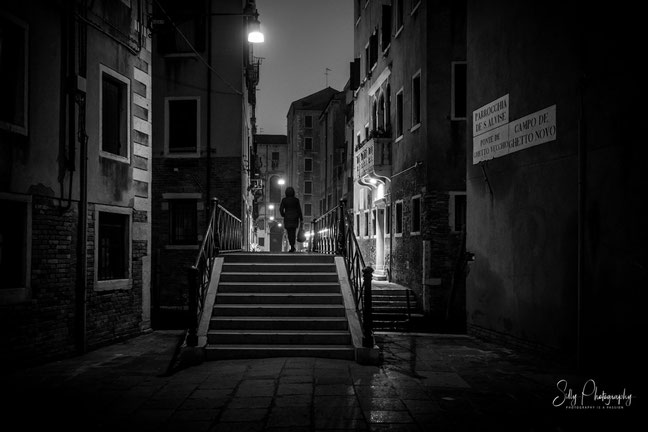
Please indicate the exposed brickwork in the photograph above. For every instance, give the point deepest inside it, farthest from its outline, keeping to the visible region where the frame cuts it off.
(180, 175)
(44, 327)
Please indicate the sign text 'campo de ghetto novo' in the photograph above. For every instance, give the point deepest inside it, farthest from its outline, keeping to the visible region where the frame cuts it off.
(494, 136)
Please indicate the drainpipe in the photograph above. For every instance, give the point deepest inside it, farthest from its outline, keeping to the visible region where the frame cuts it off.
(77, 104)
(209, 96)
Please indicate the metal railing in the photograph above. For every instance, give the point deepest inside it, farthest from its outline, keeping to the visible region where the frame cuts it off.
(224, 234)
(333, 234)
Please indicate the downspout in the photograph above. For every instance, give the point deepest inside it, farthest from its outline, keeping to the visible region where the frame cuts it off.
(78, 98)
(208, 196)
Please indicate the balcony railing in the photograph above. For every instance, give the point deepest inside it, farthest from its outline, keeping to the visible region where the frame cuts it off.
(333, 234)
(224, 234)
(374, 158)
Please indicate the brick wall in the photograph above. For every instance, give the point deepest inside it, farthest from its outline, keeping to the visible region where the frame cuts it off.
(179, 175)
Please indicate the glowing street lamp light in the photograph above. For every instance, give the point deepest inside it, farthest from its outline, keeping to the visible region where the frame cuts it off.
(281, 182)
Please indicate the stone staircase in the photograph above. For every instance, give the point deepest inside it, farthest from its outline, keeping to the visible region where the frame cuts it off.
(390, 308)
(279, 305)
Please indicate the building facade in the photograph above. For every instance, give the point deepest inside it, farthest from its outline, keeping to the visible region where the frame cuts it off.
(554, 183)
(272, 167)
(333, 152)
(204, 121)
(409, 147)
(305, 147)
(75, 176)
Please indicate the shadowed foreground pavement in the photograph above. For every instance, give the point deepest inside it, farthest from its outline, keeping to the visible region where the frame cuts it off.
(424, 383)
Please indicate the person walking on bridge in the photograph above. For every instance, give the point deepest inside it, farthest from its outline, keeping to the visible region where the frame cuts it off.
(290, 210)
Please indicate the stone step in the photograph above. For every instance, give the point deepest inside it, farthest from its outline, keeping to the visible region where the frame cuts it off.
(222, 352)
(278, 310)
(278, 287)
(266, 258)
(278, 337)
(278, 323)
(279, 298)
(289, 267)
(277, 277)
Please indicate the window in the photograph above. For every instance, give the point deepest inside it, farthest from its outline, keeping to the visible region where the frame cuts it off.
(457, 214)
(388, 220)
(13, 74)
(373, 49)
(416, 214)
(366, 131)
(386, 27)
(399, 15)
(416, 99)
(399, 113)
(358, 140)
(308, 209)
(367, 60)
(308, 164)
(182, 125)
(458, 91)
(308, 143)
(183, 216)
(115, 115)
(366, 224)
(15, 247)
(262, 241)
(275, 189)
(357, 224)
(275, 160)
(308, 187)
(113, 246)
(399, 218)
(308, 121)
(388, 107)
(189, 17)
(373, 222)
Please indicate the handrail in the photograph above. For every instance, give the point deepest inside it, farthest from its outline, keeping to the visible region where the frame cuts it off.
(224, 234)
(333, 233)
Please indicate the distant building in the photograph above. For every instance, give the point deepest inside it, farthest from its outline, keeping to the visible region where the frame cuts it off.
(333, 151)
(75, 176)
(272, 166)
(556, 177)
(409, 120)
(305, 147)
(204, 97)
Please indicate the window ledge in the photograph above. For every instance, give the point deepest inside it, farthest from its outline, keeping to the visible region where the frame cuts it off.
(181, 247)
(114, 157)
(398, 235)
(415, 127)
(180, 155)
(399, 31)
(416, 7)
(114, 284)
(400, 138)
(415, 233)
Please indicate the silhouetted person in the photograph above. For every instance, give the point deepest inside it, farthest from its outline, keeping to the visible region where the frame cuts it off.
(290, 210)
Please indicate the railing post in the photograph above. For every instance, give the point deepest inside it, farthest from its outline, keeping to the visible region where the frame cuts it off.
(341, 250)
(192, 324)
(367, 308)
(314, 246)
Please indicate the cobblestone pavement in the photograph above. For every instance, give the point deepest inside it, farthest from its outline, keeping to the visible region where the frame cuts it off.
(423, 383)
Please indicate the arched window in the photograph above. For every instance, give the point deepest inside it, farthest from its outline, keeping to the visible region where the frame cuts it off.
(374, 115)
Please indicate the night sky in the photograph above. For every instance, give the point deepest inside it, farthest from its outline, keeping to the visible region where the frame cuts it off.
(302, 39)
